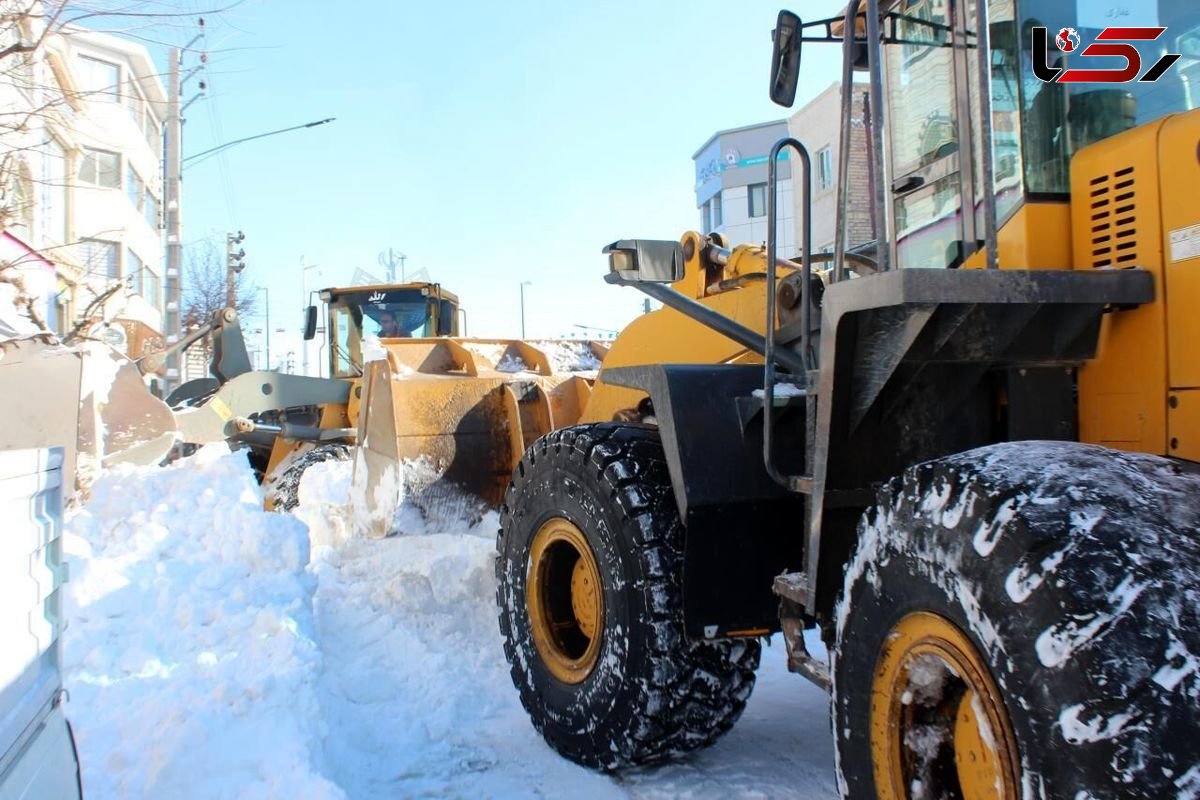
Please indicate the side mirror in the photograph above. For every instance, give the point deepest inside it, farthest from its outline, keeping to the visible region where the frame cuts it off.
(785, 59)
(310, 323)
(644, 261)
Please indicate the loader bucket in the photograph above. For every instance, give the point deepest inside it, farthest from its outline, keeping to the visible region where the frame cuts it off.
(136, 427)
(464, 410)
(89, 400)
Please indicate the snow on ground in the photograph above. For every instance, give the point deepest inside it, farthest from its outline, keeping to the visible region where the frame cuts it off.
(209, 656)
(190, 655)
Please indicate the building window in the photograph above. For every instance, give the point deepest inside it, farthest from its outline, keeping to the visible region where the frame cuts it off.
(134, 270)
(717, 217)
(756, 193)
(20, 201)
(140, 196)
(52, 199)
(152, 288)
(151, 210)
(101, 259)
(100, 80)
(153, 133)
(135, 188)
(100, 168)
(142, 114)
(824, 168)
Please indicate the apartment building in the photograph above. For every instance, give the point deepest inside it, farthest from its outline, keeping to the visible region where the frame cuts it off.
(80, 156)
(731, 186)
(818, 125)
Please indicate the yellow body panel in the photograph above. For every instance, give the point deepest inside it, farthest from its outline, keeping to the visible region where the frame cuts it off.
(668, 337)
(1181, 245)
(1116, 215)
(1183, 417)
(1033, 238)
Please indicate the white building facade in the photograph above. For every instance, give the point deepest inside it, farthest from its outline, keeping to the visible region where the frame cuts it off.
(82, 186)
(731, 186)
(818, 126)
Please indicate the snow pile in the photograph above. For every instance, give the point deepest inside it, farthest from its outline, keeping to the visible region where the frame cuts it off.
(566, 355)
(205, 660)
(490, 352)
(511, 363)
(563, 355)
(189, 654)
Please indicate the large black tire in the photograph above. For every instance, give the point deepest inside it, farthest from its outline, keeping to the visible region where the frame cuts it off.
(284, 490)
(1075, 572)
(652, 694)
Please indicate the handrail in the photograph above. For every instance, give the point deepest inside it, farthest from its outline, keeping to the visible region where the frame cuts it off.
(795, 483)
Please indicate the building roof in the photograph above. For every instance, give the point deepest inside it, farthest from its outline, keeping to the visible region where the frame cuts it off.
(137, 55)
(728, 131)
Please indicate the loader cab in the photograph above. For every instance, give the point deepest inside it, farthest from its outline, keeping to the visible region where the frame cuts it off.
(380, 313)
(931, 125)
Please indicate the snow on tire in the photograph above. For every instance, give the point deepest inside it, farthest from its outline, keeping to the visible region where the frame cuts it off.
(649, 693)
(1073, 571)
(283, 488)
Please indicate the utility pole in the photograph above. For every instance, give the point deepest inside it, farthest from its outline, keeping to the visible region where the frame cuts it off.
(388, 261)
(173, 217)
(523, 285)
(304, 268)
(174, 224)
(235, 262)
(267, 304)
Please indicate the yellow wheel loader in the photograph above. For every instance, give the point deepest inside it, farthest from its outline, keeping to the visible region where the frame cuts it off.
(403, 387)
(966, 458)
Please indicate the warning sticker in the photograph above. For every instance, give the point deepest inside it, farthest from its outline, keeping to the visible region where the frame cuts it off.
(1185, 243)
(218, 405)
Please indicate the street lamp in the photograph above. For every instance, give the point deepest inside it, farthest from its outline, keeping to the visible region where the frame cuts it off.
(267, 291)
(523, 285)
(212, 151)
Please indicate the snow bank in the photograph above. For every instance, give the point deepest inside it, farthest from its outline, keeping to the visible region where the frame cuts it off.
(207, 656)
(189, 654)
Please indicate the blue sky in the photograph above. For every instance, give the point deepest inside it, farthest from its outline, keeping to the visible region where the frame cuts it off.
(493, 143)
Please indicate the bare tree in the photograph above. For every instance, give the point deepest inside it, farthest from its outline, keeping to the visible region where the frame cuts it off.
(205, 291)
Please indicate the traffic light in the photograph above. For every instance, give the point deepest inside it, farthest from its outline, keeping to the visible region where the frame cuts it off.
(235, 259)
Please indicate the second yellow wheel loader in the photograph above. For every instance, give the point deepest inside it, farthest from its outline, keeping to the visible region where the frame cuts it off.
(403, 386)
(980, 486)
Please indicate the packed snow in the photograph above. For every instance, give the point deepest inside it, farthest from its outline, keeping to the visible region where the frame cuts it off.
(781, 391)
(217, 650)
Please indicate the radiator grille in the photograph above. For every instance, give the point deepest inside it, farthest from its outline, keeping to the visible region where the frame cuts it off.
(1113, 236)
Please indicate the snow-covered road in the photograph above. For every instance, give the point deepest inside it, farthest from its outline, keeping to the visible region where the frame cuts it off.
(208, 656)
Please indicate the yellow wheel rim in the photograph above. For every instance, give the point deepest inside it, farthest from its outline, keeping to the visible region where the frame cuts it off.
(938, 723)
(565, 600)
